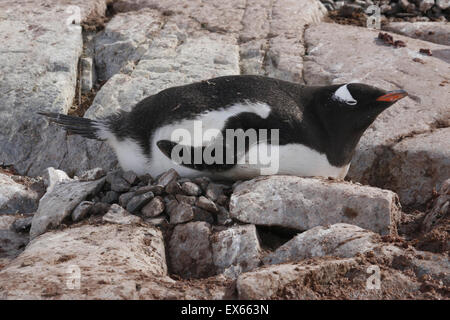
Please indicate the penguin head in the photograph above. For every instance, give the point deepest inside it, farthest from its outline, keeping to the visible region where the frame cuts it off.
(355, 105)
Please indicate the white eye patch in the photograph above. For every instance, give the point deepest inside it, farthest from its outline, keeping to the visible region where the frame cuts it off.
(342, 94)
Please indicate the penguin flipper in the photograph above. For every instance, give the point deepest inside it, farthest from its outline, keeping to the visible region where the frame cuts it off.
(82, 126)
(185, 156)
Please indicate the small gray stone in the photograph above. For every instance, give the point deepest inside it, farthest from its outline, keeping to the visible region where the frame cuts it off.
(137, 202)
(191, 189)
(187, 199)
(15, 197)
(167, 177)
(223, 217)
(22, 224)
(153, 208)
(214, 191)
(99, 208)
(157, 190)
(130, 177)
(157, 221)
(110, 197)
(202, 182)
(119, 184)
(202, 215)
(125, 197)
(81, 211)
(92, 174)
(206, 204)
(173, 188)
(146, 178)
(223, 200)
(117, 214)
(181, 213)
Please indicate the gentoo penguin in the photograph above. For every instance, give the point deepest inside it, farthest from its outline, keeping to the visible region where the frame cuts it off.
(308, 130)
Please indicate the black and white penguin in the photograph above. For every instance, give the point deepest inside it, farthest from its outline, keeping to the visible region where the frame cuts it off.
(318, 126)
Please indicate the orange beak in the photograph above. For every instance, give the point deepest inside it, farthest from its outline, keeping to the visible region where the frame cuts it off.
(392, 96)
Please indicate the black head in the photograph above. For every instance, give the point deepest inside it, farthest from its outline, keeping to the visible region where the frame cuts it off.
(353, 106)
(345, 111)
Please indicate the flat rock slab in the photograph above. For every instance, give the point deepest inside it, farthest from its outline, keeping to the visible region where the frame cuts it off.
(236, 250)
(338, 240)
(437, 32)
(266, 282)
(304, 203)
(15, 197)
(108, 260)
(59, 203)
(340, 54)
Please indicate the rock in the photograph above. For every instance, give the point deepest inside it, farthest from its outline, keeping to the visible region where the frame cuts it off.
(117, 182)
(53, 176)
(110, 197)
(191, 189)
(99, 208)
(338, 240)
(236, 250)
(347, 10)
(214, 191)
(423, 161)
(187, 199)
(167, 177)
(138, 202)
(437, 32)
(40, 52)
(157, 190)
(22, 224)
(303, 203)
(425, 5)
(59, 203)
(208, 205)
(146, 179)
(124, 198)
(12, 244)
(82, 210)
(181, 213)
(88, 76)
(443, 4)
(93, 174)
(223, 217)
(173, 188)
(190, 250)
(130, 177)
(110, 267)
(153, 208)
(265, 282)
(117, 214)
(331, 59)
(123, 42)
(202, 215)
(158, 221)
(440, 210)
(16, 197)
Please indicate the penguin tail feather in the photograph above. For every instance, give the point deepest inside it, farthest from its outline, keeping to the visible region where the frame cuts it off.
(87, 128)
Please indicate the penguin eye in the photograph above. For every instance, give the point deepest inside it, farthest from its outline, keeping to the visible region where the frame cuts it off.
(351, 102)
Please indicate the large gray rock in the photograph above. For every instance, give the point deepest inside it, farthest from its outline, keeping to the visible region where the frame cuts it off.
(190, 253)
(38, 65)
(59, 203)
(110, 262)
(236, 250)
(338, 240)
(266, 282)
(437, 32)
(16, 197)
(304, 203)
(339, 54)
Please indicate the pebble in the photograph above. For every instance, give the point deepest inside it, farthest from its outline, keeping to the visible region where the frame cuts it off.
(81, 211)
(206, 204)
(181, 213)
(22, 224)
(167, 177)
(191, 189)
(138, 202)
(153, 208)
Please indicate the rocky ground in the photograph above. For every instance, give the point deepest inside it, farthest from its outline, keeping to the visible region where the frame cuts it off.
(79, 231)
